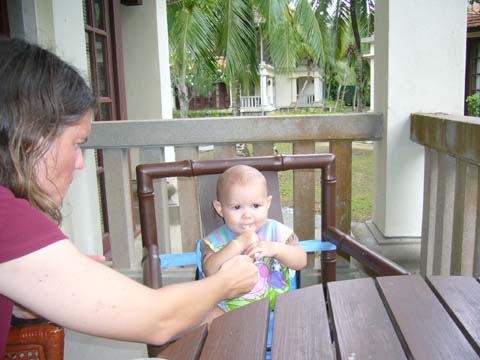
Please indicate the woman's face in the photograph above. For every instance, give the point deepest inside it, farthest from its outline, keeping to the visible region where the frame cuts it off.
(55, 172)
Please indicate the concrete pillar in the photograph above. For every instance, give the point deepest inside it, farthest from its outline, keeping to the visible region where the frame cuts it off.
(420, 67)
(270, 91)
(147, 82)
(147, 73)
(59, 27)
(370, 56)
(263, 86)
(293, 82)
(318, 89)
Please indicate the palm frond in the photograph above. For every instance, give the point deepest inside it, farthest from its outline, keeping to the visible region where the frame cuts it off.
(283, 41)
(340, 26)
(237, 39)
(192, 42)
(309, 30)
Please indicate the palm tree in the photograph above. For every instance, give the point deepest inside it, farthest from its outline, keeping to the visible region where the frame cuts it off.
(202, 31)
(237, 44)
(355, 17)
(192, 35)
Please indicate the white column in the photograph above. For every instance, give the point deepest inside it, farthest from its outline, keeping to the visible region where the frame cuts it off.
(60, 27)
(293, 82)
(420, 67)
(166, 95)
(263, 86)
(147, 82)
(145, 51)
(372, 78)
(147, 64)
(318, 89)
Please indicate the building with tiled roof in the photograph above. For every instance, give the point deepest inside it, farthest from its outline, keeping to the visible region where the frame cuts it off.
(473, 17)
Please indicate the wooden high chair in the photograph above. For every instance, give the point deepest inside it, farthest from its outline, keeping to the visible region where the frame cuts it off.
(207, 171)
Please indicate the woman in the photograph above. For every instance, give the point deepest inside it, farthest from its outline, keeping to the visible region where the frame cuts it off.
(45, 113)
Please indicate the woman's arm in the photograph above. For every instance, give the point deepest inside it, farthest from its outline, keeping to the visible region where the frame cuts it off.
(213, 261)
(65, 286)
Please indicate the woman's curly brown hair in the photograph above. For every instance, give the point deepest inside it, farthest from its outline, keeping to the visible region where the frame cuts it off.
(40, 95)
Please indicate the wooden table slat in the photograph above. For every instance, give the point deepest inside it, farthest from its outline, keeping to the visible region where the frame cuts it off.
(427, 329)
(461, 296)
(186, 348)
(300, 329)
(239, 334)
(362, 325)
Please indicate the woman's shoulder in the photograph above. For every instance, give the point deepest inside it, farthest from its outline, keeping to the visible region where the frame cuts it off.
(11, 206)
(24, 228)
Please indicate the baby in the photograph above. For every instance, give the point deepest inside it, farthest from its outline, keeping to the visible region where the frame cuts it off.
(243, 202)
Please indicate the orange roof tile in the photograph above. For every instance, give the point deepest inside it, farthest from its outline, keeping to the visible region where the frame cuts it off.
(473, 16)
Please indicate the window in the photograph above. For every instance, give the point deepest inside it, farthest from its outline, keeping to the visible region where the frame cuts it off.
(4, 27)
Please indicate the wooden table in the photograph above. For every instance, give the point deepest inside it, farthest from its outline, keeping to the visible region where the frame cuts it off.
(394, 317)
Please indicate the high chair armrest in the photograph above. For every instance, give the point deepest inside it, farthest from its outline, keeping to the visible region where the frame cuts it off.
(377, 263)
(317, 245)
(178, 259)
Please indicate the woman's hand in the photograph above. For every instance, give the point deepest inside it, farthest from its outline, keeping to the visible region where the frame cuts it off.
(242, 274)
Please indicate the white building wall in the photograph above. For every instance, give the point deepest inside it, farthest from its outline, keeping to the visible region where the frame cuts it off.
(283, 90)
(419, 67)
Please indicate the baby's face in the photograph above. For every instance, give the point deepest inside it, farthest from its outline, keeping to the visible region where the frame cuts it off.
(245, 207)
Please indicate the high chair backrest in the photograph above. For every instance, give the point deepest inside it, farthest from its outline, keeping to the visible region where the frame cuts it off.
(146, 173)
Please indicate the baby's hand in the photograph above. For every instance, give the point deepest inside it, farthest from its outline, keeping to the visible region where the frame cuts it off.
(248, 240)
(263, 249)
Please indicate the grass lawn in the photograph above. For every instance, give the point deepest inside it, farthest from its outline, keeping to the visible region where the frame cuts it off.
(362, 180)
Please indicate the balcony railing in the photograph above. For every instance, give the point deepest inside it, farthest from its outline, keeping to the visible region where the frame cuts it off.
(451, 217)
(251, 102)
(152, 136)
(307, 100)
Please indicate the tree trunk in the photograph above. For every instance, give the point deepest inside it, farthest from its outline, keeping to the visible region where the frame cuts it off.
(358, 54)
(183, 95)
(236, 98)
(299, 96)
(341, 91)
(329, 86)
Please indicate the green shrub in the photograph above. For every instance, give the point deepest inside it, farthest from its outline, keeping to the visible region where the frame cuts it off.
(204, 113)
(473, 105)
